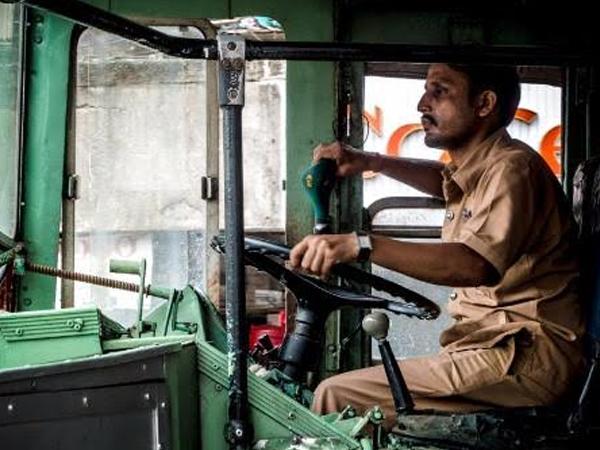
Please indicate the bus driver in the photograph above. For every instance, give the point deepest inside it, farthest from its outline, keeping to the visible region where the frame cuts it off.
(508, 247)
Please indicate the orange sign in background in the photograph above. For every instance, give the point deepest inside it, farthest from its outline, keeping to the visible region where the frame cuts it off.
(550, 145)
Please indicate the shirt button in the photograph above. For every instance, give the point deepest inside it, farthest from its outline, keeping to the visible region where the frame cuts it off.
(449, 214)
(453, 296)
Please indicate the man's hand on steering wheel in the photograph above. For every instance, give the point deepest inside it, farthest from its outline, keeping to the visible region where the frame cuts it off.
(317, 254)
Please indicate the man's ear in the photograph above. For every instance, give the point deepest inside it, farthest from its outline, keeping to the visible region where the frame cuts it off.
(486, 103)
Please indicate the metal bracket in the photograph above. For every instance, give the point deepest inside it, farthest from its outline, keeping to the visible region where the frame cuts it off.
(209, 188)
(72, 187)
(232, 65)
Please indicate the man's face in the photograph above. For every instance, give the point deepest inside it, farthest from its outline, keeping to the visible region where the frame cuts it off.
(448, 116)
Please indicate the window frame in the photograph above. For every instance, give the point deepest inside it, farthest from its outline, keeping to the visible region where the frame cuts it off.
(6, 240)
(211, 275)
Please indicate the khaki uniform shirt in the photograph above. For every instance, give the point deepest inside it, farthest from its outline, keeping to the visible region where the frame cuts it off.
(505, 204)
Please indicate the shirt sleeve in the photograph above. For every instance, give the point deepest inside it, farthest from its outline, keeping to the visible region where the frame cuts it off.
(500, 228)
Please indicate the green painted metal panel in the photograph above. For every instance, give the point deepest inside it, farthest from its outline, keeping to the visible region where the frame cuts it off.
(47, 81)
(169, 8)
(46, 336)
(182, 387)
(273, 414)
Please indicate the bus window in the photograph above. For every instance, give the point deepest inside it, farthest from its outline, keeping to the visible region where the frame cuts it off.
(392, 127)
(10, 80)
(144, 141)
(141, 153)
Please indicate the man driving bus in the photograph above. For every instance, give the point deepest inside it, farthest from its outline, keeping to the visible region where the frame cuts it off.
(508, 249)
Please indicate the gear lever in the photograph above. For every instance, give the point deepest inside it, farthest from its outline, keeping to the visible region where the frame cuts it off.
(376, 325)
(318, 182)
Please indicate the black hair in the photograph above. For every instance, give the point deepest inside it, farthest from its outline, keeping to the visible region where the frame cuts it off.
(503, 80)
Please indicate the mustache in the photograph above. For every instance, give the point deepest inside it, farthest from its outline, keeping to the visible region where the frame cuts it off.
(429, 118)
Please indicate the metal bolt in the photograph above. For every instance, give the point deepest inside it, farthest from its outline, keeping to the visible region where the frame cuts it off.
(19, 331)
(292, 415)
(231, 45)
(215, 366)
(38, 39)
(147, 396)
(238, 64)
(10, 407)
(163, 405)
(239, 432)
(70, 323)
(226, 64)
(232, 94)
(144, 367)
(218, 387)
(85, 402)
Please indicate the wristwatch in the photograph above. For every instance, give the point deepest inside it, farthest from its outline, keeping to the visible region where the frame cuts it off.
(364, 247)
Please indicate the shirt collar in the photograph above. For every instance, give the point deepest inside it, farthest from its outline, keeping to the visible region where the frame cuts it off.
(469, 171)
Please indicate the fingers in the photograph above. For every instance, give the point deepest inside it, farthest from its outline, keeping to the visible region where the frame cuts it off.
(320, 255)
(311, 255)
(317, 254)
(297, 253)
(332, 151)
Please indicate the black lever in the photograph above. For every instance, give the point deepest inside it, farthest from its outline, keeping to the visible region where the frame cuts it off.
(377, 325)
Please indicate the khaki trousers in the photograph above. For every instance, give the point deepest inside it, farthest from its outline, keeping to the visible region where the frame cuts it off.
(462, 381)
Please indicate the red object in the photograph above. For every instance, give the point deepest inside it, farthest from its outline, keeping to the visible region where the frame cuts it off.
(275, 332)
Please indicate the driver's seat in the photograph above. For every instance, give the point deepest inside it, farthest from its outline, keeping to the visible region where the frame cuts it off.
(541, 427)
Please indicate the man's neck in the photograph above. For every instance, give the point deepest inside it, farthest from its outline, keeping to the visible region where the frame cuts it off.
(461, 152)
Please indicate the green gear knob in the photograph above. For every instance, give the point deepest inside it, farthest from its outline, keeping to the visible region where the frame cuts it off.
(318, 181)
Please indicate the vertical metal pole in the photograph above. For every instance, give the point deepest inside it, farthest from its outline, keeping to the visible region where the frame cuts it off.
(231, 99)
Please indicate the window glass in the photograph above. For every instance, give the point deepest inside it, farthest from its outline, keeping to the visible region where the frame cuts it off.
(393, 127)
(141, 152)
(10, 75)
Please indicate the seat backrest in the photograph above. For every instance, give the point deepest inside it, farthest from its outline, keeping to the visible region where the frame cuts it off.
(586, 209)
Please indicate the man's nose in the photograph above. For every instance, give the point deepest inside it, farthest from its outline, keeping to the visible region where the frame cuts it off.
(423, 105)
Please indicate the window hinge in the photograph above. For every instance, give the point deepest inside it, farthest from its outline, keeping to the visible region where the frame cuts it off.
(209, 188)
(72, 187)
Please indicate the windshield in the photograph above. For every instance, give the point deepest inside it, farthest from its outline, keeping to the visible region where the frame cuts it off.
(10, 68)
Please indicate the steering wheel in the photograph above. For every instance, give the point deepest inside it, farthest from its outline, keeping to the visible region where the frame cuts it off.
(316, 299)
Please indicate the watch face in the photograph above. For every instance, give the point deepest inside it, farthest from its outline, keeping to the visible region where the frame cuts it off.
(364, 251)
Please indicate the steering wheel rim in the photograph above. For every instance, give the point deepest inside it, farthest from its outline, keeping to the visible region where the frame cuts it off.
(257, 253)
